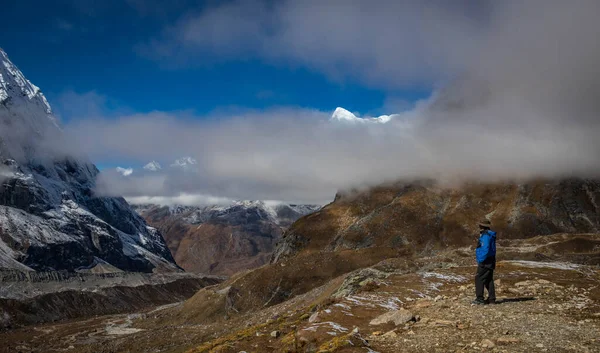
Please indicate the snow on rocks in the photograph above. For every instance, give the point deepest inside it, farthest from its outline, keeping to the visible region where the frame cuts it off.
(447, 278)
(553, 265)
(328, 325)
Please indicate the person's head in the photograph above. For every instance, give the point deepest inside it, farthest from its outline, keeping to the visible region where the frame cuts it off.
(485, 224)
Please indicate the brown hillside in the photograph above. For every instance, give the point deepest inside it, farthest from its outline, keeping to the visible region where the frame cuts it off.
(408, 222)
(426, 217)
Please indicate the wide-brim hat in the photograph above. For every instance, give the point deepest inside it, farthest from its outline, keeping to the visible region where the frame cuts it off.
(485, 223)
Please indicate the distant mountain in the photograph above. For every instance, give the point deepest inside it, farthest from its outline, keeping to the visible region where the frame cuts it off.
(342, 115)
(50, 218)
(223, 239)
(184, 162)
(153, 166)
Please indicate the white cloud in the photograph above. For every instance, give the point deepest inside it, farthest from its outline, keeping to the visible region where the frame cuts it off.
(183, 199)
(5, 173)
(391, 43)
(522, 101)
(300, 156)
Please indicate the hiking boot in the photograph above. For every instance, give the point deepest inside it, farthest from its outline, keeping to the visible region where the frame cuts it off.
(478, 302)
(491, 301)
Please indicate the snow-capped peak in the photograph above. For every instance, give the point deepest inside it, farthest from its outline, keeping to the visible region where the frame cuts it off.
(342, 115)
(153, 166)
(124, 171)
(184, 162)
(13, 84)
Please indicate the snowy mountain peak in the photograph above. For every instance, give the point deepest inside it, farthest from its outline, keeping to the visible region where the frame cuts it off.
(341, 114)
(184, 162)
(14, 86)
(153, 166)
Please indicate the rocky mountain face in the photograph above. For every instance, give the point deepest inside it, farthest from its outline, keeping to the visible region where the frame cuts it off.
(223, 239)
(50, 218)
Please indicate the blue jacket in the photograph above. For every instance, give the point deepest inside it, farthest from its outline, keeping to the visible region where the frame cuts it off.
(487, 246)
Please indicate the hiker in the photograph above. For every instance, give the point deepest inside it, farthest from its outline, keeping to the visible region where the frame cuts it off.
(486, 263)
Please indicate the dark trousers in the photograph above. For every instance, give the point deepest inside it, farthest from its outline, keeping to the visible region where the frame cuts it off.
(485, 278)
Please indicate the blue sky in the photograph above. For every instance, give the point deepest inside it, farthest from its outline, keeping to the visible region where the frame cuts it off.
(86, 46)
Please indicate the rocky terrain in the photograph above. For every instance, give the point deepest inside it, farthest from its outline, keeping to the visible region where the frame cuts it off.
(396, 305)
(223, 240)
(50, 218)
(388, 270)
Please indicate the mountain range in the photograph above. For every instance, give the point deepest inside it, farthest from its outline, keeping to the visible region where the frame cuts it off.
(223, 239)
(390, 269)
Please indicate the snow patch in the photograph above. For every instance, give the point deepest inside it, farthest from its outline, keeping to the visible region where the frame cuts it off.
(449, 278)
(332, 325)
(555, 265)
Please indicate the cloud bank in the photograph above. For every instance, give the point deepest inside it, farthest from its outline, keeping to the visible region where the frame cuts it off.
(391, 43)
(517, 82)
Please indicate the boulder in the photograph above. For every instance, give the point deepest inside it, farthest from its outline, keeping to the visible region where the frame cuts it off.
(398, 317)
(487, 343)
